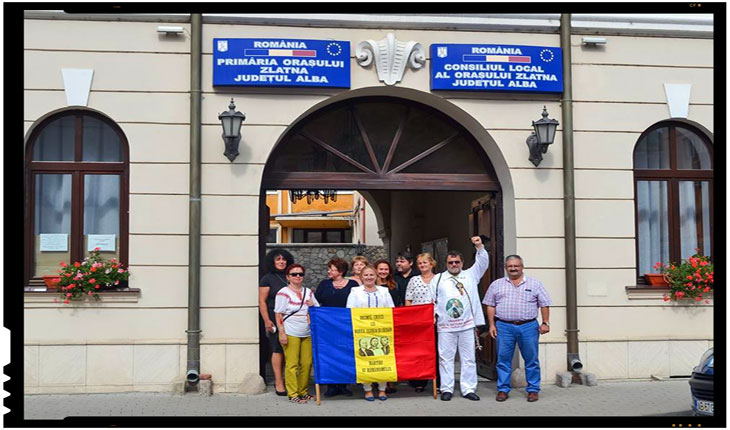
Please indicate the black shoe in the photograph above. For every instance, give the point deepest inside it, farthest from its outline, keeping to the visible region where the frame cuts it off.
(472, 396)
(345, 391)
(331, 391)
(446, 396)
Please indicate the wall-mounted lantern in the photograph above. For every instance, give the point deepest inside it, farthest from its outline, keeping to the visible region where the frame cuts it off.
(231, 122)
(543, 136)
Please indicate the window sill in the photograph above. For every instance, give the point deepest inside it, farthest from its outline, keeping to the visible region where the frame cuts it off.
(646, 292)
(126, 295)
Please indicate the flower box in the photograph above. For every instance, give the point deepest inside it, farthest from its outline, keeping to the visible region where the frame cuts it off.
(691, 279)
(656, 280)
(51, 281)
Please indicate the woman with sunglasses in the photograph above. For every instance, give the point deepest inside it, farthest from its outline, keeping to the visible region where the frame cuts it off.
(370, 295)
(292, 307)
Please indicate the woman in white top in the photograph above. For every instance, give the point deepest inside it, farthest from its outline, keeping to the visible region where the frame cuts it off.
(419, 293)
(292, 308)
(370, 295)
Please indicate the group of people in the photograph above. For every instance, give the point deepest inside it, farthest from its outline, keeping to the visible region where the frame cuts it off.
(512, 304)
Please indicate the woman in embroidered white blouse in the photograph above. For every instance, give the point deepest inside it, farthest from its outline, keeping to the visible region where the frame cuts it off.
(370, 295)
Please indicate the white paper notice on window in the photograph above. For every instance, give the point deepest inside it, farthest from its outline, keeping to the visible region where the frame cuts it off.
(54, 242)
(105, 242)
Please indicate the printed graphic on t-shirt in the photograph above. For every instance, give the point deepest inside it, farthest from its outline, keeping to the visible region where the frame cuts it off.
(454, 308)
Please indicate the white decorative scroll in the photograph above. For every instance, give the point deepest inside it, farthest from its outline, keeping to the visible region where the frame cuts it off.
(105, 242)
(54, 242)
(391, 57)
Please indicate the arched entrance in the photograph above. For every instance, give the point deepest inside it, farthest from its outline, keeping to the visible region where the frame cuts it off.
(399, 141)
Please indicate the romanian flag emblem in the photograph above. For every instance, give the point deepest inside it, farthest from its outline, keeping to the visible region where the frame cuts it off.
(373, 344)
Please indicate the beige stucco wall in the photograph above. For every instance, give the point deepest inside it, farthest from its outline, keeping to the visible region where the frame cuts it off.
(141, 80)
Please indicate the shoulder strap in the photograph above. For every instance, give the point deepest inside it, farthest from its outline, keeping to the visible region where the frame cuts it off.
(436, 299)
(301, 304)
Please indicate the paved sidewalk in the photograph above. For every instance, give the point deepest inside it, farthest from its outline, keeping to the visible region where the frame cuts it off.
(642, 398)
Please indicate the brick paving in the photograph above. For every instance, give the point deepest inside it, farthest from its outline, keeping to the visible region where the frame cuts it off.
(620, 398)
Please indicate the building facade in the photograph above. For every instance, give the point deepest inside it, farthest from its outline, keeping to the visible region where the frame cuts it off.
(107, 114)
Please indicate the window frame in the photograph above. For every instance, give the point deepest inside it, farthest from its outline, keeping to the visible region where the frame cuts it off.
(77, 169)
(342, 231)
(673, 177)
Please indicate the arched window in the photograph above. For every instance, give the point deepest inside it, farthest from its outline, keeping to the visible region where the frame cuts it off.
(77, 181)
(673, 176)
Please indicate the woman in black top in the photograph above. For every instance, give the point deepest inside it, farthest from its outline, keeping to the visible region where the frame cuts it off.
(333, 292)
(277, 260)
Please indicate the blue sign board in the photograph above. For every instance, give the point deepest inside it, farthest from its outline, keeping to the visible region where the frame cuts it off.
(281, 63)
(496, 68)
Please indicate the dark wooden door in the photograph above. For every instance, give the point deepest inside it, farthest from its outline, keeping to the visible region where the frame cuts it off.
(484, 219)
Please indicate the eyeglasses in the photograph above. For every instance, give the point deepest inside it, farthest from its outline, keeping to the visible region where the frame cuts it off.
(453, 262)
(300, 274)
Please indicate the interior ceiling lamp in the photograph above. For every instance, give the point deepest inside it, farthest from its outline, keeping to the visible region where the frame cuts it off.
(311, 195)
(231, 122)
(543, 136)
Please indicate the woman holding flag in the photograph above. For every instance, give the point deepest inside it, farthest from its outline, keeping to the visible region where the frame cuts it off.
(291, 308)
(418, 292)
(370, 295)
(333, 292)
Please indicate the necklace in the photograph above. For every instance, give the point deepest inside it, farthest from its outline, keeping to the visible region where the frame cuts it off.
(459, 285)
(342, 283)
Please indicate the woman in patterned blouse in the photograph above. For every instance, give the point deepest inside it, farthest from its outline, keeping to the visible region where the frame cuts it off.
(419, 293)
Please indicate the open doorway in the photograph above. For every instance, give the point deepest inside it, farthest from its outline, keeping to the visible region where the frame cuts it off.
(426, 176)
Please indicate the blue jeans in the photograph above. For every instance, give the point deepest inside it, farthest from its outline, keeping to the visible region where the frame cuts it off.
(527, 337)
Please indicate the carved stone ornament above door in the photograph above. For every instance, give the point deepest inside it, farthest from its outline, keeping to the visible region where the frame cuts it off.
(392, 56)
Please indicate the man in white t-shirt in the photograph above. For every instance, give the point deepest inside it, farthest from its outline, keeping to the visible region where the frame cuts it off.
(459, 311)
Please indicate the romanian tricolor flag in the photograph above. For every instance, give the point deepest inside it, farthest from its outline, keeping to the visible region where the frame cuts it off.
(373, 344)
(280, 53)
(469, 58)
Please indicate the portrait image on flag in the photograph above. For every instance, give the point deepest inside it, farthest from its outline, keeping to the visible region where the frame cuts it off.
(360, 345)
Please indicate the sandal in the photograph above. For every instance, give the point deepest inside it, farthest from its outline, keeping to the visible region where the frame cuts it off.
(307, 397)
(297, 400)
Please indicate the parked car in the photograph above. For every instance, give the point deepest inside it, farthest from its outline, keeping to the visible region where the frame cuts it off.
(702, 384)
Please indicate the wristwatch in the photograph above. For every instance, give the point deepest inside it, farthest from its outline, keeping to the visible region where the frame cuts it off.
(546, 323)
